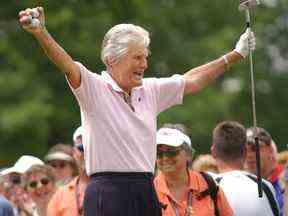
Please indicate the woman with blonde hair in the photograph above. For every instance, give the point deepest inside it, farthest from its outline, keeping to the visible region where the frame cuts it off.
(205, 163)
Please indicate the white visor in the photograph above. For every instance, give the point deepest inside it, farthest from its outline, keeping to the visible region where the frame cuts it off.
(172, 137)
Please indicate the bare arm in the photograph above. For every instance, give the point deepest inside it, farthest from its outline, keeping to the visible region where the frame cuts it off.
(198, 78)
(51, 48)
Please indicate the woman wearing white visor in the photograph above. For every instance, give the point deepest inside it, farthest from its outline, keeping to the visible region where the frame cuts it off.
(183, 192)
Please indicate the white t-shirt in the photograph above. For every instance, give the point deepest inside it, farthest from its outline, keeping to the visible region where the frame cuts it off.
(117, 138)
(242, 194)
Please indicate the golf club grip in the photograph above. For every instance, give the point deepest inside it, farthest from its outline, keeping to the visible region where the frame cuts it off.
(248, 20)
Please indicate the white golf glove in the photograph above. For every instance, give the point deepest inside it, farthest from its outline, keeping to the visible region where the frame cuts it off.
(247, 41)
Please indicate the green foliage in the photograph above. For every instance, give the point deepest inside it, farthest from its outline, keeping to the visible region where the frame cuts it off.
(37, 108)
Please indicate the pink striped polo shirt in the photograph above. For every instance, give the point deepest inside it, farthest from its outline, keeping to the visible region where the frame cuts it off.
(118, 139)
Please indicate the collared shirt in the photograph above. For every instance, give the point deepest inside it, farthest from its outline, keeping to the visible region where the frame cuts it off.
(201, 207)
(64, 201)
(117, 137)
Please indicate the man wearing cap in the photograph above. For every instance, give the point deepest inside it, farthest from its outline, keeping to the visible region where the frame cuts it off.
(68, 200)
(180, 190)
(270, 169)
(240, 187)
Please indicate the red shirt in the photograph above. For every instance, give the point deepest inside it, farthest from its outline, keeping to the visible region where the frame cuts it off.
(276, 173)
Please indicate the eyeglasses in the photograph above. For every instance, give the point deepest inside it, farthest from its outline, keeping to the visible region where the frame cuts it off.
(43, 181)
(168, 153)
(58, 164)
(15, 179)
(80, 147)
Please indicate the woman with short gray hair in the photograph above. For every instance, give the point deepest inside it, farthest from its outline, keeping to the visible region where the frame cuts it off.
(117, 40)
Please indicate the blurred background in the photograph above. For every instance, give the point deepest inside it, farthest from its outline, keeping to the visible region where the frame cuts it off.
(37, 109)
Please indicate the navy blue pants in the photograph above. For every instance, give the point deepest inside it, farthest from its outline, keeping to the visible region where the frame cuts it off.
(121, 194)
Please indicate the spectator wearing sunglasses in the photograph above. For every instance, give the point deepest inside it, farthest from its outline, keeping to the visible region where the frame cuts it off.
(11, 190)
(180, 190)
(78, 150)
(13, 182)
(270, 169)
(60, 158)
(188, 149)
(40, 186)
(6, 207)
(78, 135)
(68, 200)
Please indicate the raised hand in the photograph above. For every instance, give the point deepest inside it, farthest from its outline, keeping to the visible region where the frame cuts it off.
(246, 42)
(32, 20)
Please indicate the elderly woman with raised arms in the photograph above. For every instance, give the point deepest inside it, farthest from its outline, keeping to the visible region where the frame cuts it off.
(119, 111)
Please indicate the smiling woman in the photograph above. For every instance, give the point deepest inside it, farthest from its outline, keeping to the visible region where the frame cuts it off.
(40, 186)
(178, 188)
(129, 70)
(171, 154)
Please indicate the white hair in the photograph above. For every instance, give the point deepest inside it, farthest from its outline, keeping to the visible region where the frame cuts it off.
(117, 40)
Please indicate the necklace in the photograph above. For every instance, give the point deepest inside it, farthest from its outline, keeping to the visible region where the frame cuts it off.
(189, 205)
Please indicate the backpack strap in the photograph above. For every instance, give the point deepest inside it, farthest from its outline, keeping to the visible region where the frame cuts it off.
(212, 190)
(269, 194)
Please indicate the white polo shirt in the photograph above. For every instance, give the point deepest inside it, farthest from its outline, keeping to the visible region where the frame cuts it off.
(242, 194)
(118, 139)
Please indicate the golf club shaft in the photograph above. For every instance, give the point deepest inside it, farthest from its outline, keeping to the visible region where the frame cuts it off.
(257, 152)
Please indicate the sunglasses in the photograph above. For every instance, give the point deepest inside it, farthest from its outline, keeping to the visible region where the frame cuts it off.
(58, 164)
(15, 179)
(168, 153)
(43, 181)
(80, 147)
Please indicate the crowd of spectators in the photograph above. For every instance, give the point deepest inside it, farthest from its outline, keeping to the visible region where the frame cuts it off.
(55, 186)
(52, 186)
